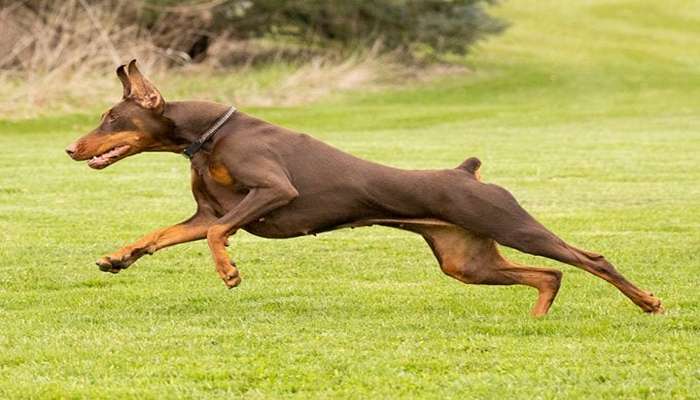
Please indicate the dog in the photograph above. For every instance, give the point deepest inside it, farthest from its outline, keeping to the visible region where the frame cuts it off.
(272, 182)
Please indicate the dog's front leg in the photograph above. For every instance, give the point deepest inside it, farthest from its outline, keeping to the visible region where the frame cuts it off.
(192, 229)
(258, 202)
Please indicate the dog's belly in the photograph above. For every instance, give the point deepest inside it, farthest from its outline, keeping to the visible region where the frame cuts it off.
(280, 227)
(306, 216)
(291, 225)
(266, 229)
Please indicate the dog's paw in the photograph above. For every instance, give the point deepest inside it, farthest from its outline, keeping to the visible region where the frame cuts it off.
(232, 279)
(111, 265)
(653, 305)
(229, 274)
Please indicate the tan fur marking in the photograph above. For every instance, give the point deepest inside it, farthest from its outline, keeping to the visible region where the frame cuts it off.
(95, 144)
(220, 174)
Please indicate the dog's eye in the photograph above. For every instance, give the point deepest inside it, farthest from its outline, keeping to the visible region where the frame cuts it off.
(111, 117)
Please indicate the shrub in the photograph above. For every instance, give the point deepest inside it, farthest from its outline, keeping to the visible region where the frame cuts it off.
(185, 29)
(406, 26)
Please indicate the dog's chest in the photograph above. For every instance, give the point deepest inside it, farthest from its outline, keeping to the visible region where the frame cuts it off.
(217, 186)
(218, 173)
(213, 173)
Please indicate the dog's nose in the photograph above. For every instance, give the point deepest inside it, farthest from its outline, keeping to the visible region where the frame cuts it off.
(71, 149)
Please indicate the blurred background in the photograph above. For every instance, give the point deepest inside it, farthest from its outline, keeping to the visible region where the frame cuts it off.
(289, 42)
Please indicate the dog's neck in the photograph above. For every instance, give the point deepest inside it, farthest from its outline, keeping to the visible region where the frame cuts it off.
(192, 119)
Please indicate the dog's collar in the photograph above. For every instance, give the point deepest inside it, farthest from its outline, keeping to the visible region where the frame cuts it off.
(192, 149)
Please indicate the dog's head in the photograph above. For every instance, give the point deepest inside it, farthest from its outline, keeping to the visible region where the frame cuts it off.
(133, 125)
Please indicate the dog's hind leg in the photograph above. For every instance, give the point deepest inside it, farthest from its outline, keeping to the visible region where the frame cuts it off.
(492, 211)
(474, 259)
(537, 240)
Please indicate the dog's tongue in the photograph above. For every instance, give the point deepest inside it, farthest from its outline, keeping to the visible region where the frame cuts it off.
(104, 159)
(98, 162)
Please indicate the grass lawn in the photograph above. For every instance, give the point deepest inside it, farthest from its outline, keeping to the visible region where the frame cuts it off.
(589, 112)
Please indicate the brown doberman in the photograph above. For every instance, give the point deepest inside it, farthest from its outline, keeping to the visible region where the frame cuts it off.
(272, 182)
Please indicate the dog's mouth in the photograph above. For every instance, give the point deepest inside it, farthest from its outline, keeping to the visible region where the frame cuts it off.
(109, 157)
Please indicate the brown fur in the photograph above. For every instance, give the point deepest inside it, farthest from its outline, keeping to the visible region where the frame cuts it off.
(276, 183)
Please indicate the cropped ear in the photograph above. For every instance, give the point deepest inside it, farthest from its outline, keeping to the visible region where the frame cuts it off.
(142, 91)
(126, 85)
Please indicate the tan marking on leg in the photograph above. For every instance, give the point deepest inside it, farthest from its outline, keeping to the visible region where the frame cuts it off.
(475, 259)
(220, 174)
(217, 237)
(154, 241)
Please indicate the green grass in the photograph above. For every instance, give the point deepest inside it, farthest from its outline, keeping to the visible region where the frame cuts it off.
(587, 111)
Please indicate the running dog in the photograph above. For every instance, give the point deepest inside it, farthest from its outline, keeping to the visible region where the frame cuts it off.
(272, 182)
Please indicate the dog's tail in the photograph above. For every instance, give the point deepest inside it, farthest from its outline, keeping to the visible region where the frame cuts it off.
(471, 165)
